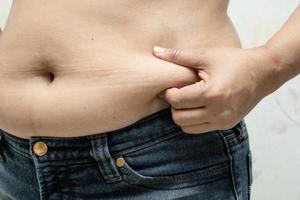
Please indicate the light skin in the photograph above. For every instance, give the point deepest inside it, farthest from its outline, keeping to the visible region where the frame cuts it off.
(233, 80)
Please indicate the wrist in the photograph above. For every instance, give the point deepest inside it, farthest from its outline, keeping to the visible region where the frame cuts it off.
(277, 68)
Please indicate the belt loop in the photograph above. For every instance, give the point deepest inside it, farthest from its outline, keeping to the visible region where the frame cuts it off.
(105, 162)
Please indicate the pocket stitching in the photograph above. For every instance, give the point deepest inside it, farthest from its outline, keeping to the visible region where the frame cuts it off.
(198, 176)
(151, 143)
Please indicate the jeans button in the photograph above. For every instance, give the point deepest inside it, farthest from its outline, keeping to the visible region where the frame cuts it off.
(40, 148)
(120, 162)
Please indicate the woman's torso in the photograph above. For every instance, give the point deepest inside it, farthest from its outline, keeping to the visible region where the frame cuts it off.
(72, 68)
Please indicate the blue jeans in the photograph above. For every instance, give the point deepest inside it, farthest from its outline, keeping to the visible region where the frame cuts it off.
(151, 159)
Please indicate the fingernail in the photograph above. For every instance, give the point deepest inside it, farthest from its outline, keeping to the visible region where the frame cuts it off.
(158, 49)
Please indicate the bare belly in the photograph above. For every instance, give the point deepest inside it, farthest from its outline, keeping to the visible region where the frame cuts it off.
(79, 77)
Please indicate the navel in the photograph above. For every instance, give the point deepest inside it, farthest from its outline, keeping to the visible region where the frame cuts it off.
(50, 76)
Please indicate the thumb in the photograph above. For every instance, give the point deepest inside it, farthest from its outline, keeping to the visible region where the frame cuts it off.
(167, 93)
(163, 94)
(189, 58)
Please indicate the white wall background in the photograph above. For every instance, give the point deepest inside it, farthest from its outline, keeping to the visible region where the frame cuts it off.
(274, 125)
(4, 10)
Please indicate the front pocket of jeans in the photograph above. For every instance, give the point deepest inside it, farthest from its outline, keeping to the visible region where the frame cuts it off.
(175, 181)
(182, 161)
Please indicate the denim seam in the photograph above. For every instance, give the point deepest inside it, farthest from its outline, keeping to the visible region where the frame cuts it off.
(228, 153)
(19, 151)
(13, 138)
(166, 132)
(99, 161)
(176, 188)
(40, 176)
(42, 188)
(127, 171)
(75, 160)
(185, 175)
(108, 164)
(232, 139)
(165, 189)
(104, 164)
(163, 133)
(70, 165)
(2, 158)
(148, 144)
(109, 173)
(249, 168)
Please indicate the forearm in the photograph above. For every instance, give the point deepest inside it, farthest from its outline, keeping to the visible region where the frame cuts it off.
(284, 49)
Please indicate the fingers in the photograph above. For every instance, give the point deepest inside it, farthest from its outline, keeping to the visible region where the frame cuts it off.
(192, 121)
(190, 96)
(198, 129)
(188, 58)
(190, 117)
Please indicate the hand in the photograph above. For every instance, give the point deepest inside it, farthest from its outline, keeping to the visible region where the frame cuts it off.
(232, 82)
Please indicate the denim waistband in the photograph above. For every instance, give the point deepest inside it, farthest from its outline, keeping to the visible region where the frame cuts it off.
(158, 124)
(155, 127)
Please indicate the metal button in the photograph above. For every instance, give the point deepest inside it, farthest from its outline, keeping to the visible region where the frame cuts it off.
(40, 148)
(120, 162)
